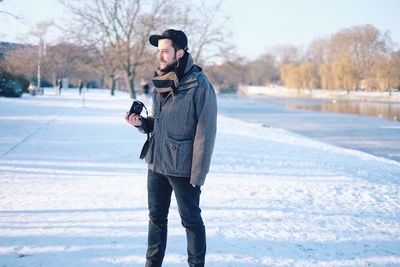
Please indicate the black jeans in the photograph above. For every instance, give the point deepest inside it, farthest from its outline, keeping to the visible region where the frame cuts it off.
(159, 189)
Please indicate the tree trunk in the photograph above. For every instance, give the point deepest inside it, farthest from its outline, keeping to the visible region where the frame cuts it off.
(113, 85)
(131, 81)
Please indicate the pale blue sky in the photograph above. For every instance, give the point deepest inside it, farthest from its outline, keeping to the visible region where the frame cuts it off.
(255, 24)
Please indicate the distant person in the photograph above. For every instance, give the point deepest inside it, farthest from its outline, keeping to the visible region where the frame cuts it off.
(80, 87)
(59, 86)
(145, 87)
(182, 128)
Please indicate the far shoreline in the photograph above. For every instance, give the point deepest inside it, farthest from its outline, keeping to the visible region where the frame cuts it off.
(279, 91)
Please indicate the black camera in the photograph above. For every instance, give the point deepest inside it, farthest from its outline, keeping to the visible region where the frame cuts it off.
(136, 108)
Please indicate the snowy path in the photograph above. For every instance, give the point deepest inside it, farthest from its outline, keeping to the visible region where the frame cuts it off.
(73, 193)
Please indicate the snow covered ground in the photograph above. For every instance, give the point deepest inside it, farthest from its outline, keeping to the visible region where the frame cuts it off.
(73, 193)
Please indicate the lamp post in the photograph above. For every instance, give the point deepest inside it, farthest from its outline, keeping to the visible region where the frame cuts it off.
(39, 67)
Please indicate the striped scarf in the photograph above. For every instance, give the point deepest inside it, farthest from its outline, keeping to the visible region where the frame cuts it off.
(167, 80)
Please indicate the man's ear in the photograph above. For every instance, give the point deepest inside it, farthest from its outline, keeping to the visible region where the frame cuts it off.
(180, 53)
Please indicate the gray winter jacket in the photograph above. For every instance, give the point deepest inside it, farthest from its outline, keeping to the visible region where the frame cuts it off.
(183, 129)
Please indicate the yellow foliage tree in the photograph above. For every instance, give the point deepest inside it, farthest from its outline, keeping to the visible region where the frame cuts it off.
(387, 73)
(297, 76)
(325, 73)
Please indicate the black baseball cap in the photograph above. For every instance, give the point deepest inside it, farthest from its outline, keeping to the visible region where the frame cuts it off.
(177, 36)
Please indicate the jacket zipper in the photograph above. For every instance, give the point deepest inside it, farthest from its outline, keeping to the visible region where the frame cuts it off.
(162, 103)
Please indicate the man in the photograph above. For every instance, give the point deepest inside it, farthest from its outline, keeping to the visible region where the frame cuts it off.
(183, 129)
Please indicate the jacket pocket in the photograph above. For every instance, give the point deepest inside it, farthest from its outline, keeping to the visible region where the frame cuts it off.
(178, 157)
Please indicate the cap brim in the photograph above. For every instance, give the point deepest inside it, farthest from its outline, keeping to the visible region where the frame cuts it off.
(153, 39)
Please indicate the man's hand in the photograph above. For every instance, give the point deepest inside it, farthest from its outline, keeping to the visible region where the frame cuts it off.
(133, 119)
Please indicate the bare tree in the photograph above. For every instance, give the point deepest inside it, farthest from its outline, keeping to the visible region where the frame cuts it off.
(317, 54)
(228, 75)
(262, 71)
(288, 54)
(61, 60)
(21, 61)
(9, 14)
(119, 29)
(28, 60)
(119, 26)
(387, 72)
(206, 26)
(67, 60)
(365, 44)
(40, 31)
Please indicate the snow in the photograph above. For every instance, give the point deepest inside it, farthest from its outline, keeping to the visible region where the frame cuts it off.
(73, 193)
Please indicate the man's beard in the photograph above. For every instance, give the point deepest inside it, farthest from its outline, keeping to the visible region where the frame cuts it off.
(169, 67)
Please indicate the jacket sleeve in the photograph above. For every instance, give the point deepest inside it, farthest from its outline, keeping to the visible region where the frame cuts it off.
(205, 102)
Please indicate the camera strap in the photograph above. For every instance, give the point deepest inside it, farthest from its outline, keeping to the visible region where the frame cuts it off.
(147, 143)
